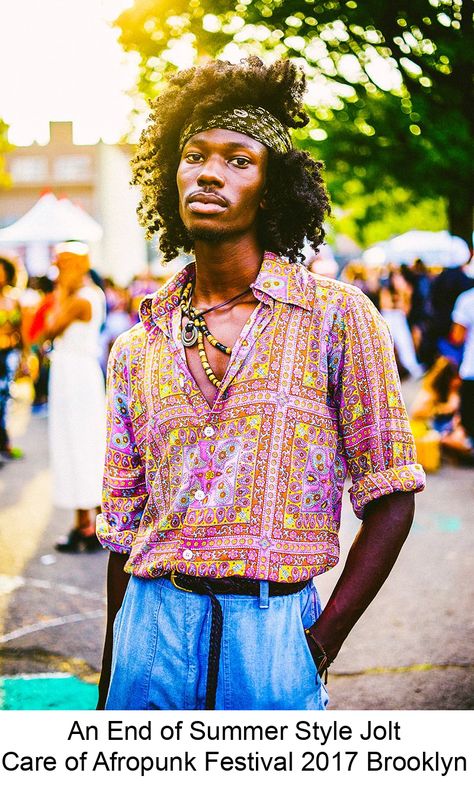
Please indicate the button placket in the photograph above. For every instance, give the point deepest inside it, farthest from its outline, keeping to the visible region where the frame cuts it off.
(258, 321)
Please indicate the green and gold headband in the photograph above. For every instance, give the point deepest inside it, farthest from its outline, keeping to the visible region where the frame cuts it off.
(256, 122)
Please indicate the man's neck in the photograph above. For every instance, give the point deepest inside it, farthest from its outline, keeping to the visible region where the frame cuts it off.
(224, 269)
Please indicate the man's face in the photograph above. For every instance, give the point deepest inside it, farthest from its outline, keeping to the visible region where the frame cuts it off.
(221, 184)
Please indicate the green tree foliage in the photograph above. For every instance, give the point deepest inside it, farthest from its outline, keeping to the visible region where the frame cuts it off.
(371, 216)
(390, 84)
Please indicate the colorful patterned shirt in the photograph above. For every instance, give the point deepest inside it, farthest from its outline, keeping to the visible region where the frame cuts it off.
(252, 486)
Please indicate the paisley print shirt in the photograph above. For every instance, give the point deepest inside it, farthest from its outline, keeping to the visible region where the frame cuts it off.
(252, 486)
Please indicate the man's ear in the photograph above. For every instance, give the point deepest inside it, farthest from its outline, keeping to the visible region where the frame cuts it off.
(264, 202)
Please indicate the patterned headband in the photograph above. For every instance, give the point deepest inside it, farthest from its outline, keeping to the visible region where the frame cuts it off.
(256, 122)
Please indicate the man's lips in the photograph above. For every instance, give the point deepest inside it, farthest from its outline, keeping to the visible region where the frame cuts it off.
(207, 197)
(206, 203)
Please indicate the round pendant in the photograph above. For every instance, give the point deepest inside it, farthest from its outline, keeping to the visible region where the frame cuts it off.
(189, 335)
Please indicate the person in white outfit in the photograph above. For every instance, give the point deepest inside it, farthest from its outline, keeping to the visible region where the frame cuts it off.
(77, 421)
(395, 302)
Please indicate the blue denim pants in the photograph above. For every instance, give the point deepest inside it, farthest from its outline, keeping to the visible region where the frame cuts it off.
(161, 646)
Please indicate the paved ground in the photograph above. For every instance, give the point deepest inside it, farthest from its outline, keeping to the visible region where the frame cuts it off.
(413, 649)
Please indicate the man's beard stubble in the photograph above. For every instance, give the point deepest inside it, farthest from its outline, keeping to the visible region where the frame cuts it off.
(209, 234)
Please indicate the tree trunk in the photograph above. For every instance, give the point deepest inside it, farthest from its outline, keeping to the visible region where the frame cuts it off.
(460, 217)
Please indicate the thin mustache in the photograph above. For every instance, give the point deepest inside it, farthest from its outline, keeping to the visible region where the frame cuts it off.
(219, 199)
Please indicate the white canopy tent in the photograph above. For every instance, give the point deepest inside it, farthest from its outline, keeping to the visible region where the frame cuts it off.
(49, 221)
(52, 220)
(435, 248)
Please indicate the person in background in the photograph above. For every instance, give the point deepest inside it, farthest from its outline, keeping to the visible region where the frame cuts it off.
(76, 395)
(45, 302)
(462, 335)
(395, 303)
(10, 345)
(417, 276)
(444, 291)
(437, 401)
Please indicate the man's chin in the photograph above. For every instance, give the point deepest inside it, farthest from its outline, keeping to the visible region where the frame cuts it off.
(208, 234)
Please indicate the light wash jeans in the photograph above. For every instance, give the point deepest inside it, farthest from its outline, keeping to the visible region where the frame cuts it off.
(161, 645)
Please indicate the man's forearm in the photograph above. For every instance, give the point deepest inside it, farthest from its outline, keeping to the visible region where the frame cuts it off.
(374, 551)
(117, 581)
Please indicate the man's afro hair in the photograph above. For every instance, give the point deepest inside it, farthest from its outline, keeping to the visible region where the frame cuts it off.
(296, 199)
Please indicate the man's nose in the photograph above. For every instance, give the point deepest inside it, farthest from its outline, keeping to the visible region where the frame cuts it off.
(211, 172)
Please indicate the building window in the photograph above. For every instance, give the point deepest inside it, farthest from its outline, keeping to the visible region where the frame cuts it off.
(28, 169)
(72, 168)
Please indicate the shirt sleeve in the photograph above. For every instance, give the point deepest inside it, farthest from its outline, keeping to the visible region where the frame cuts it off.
(124, 486)
(373, 423)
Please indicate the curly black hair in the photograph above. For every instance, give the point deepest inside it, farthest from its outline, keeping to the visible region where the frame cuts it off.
(296, 198)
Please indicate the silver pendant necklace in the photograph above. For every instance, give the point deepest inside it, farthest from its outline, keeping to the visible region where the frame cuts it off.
(189, 335)
(195, 323)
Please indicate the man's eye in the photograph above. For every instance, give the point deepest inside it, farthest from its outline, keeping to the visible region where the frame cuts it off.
(193, 156)
(241, 162)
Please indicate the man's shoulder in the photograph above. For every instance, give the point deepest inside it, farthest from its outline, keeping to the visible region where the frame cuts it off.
(131, 336)
(128, 344)
(334, 291)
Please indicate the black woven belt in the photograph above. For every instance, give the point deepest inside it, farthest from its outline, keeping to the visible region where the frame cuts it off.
(231, 585)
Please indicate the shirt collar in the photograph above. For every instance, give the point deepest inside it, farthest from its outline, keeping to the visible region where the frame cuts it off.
(283, 281)
(277, 278)
(156, 308)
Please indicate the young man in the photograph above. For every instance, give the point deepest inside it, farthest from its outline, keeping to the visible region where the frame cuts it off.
(236, 406)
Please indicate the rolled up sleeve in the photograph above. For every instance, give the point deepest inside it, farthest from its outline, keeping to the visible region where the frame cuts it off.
(373, 423)
(124, 485)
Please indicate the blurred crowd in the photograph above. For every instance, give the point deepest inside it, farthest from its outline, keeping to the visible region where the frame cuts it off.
(430, 313)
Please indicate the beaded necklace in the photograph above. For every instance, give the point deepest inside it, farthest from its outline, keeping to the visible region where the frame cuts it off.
(196, 328)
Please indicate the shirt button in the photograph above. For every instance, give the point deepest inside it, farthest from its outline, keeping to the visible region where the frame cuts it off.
(187, 555)
(199, 495)
(209, 431)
